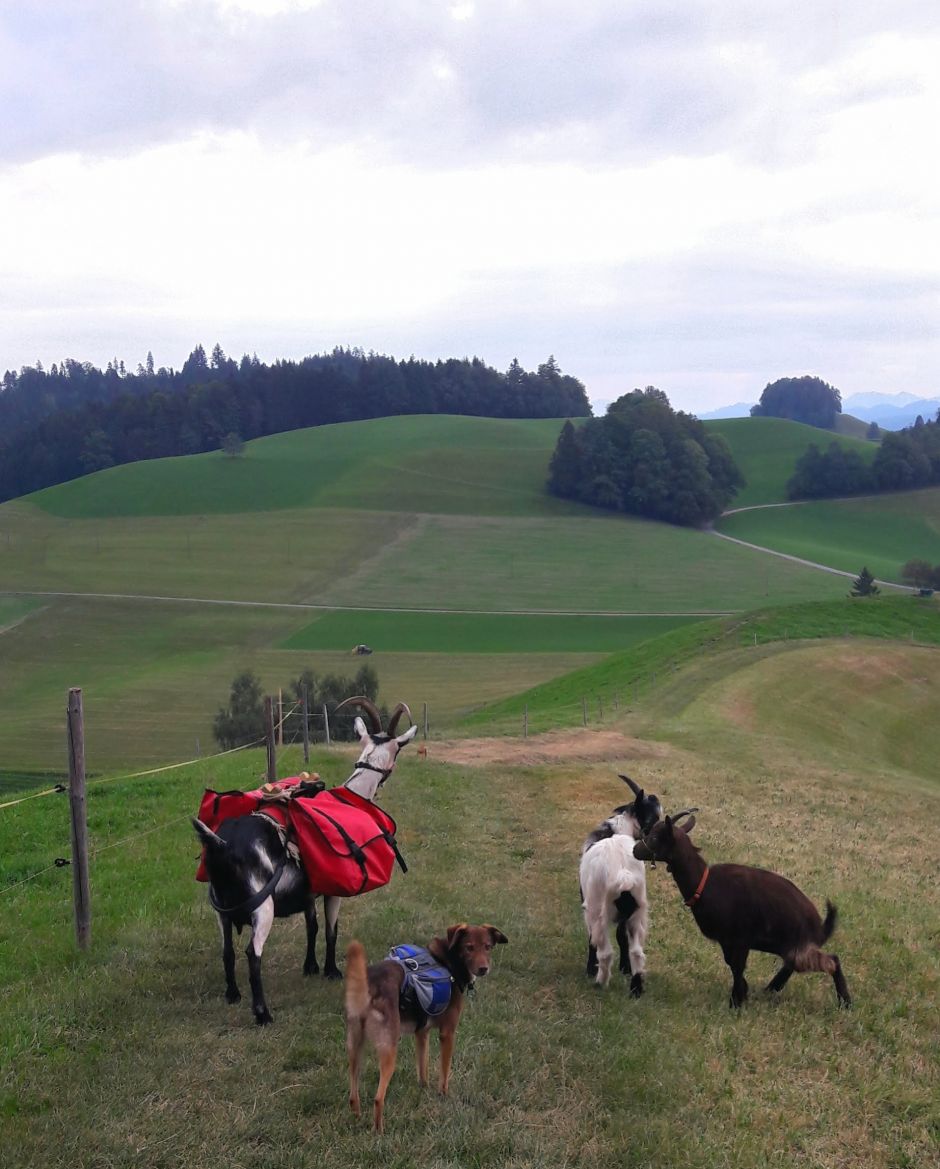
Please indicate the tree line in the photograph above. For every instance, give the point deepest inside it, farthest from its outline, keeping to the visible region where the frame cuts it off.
(74, 418)
(905, 459)
(241, 721)
(645, 458)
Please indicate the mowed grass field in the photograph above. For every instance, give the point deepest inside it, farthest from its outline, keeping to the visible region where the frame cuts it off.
(882, 532)
(418, 514)
(129, 1055)
(767, 449)
(153, 676)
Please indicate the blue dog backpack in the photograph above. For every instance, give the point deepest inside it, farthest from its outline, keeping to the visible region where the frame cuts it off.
(427, 983)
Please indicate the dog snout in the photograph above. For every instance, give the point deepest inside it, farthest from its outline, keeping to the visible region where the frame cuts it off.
(481, 970)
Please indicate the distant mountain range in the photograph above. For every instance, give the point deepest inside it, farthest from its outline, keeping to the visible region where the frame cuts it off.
(890, 411)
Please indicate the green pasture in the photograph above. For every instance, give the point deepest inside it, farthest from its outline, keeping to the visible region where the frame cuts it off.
(599, 563)
(154, 674)
(611, 564)
(440, 463)
(468, 633)
(128, 1055)
(637, 678)
(880, 531)
(767, 449)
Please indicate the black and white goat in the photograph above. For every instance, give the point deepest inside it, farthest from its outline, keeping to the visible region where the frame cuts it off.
(613, 889)
(254, 877)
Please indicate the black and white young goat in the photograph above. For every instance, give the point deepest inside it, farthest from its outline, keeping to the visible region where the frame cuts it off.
(254, 877)
(613, 889)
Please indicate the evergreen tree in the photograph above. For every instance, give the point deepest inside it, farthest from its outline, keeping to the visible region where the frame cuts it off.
(564, 470)
(864, 585)
(242, 721)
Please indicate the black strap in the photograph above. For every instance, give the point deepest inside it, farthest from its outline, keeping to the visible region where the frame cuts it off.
(249, 906)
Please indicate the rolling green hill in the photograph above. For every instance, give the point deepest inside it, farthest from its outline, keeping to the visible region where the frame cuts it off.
(444, 517)
(638, 677)
(440, 463)
(766, 450)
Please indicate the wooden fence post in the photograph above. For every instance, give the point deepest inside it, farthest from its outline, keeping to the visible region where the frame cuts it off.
(600, 708)
(525, 721)
(584, 710)
(326, 724)
(269, 737)
(81, 889)
(280, 717)
(425, 720)
(306, 708)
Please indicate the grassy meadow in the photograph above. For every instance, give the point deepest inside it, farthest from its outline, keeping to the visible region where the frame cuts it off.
(807, 758)
(766, 450)
(880, 531)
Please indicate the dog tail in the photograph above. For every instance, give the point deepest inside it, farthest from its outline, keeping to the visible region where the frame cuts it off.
(357, 983)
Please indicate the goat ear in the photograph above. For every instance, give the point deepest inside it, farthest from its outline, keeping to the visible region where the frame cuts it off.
(497, 937)
(360, 728)
(454, 933)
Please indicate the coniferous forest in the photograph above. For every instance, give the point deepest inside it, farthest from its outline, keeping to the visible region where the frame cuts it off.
(74, 418)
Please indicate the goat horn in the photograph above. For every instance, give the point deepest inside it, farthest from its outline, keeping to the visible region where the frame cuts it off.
(635, 788)
(368, 706)
(682, 815)
(400, 709)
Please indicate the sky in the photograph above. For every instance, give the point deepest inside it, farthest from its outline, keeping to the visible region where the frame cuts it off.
(702, 195)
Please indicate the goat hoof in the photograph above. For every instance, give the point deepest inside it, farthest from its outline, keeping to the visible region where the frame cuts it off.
(333, 975)
(233, 996)
(314, 968)
(264, 1018)
(636, 986)
(845, 1004)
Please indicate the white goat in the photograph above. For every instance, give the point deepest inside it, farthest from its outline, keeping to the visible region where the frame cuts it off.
(613, 889)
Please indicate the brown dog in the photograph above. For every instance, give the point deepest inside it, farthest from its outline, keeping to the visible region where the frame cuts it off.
(412, 993)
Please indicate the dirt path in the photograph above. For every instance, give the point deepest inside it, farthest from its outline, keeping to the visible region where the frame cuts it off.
(326, 608)
(572, 745)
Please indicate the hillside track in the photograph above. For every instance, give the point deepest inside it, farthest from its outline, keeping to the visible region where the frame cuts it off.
(890, 584)
(308, 606)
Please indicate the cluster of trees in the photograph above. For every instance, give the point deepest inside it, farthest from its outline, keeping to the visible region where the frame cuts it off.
(645, 458)
(74, 418)
(921, 574)
(241, 720)
(801, 399)
(905, 459)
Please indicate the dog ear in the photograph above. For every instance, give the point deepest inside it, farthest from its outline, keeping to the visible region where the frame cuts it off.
(497, 937)
(454, 933)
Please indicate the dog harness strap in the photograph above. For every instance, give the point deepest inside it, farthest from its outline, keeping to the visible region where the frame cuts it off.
(698, 892)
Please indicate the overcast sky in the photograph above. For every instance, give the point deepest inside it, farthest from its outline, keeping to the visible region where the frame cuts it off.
(702, 195)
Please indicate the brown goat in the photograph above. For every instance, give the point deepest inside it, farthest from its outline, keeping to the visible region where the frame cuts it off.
(743, 909)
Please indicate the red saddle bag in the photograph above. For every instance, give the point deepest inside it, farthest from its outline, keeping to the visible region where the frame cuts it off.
(218, 806)
(347, 844)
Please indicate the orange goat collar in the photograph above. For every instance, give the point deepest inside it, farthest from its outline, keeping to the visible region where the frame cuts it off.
(698, 892)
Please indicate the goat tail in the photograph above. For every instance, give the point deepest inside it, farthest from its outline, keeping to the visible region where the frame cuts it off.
(830, 923)
(357, 982)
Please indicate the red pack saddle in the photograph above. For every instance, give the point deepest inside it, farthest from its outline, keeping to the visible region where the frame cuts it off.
(347, 844)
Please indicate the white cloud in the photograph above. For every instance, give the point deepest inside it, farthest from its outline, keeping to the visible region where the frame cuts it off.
(704, 192)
